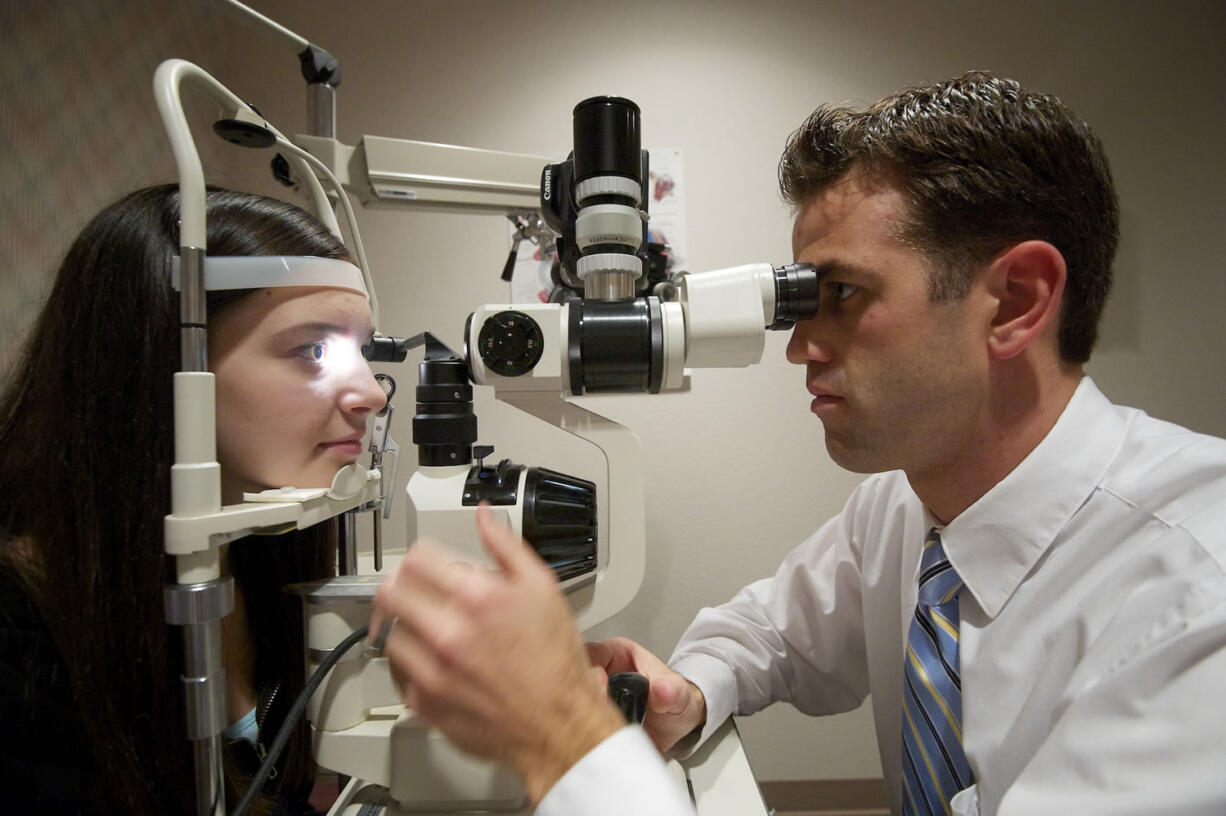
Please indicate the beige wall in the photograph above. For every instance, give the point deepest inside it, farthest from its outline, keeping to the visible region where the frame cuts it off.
(735, 470)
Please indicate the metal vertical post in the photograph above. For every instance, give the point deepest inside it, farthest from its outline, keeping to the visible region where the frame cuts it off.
(202, 597)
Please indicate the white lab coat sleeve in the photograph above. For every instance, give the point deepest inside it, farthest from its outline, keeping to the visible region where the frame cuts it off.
(1147, 737)
(796, 637)
(623, 775)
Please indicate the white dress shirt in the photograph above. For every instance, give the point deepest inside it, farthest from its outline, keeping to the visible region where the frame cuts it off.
(1093, 625)
(1093, 628)
(622, 776)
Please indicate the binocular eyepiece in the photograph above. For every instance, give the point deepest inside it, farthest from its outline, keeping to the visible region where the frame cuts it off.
(797, 291)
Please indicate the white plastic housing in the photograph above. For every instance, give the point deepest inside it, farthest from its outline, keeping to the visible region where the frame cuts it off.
(391, 172)
(355, 684)
(455, 780)
(551, 374)
(718, 776)
(726, 315)
(435, 509)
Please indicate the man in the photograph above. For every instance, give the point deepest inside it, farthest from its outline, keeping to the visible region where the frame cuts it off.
(1031, 587)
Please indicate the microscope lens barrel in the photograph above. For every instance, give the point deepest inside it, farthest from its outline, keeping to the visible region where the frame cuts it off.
(445, 427)
(607, 138)
(616, 346)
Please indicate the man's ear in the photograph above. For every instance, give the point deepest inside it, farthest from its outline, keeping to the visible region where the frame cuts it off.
(1027, 281)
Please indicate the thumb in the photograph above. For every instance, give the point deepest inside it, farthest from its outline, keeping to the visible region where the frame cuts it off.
(669, 695)
(504, 547)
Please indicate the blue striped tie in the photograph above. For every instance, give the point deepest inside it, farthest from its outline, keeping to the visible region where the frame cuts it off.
(934, 766)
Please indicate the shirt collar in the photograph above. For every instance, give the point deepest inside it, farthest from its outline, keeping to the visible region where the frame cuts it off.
(995, 543)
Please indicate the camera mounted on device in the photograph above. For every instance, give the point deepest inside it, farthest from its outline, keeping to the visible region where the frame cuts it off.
(619, 336)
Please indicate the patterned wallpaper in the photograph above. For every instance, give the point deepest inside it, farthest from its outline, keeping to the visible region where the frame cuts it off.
(79, 126)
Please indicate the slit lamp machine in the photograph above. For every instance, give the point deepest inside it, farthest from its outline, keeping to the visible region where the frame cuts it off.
(616, 323)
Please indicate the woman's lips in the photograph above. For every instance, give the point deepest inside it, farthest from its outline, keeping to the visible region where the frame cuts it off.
(344, 447)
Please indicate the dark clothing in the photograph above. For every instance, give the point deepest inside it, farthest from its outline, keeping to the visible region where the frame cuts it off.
(45, 759)
(46, 762)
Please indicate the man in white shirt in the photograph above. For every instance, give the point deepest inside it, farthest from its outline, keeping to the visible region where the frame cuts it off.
(965, 233)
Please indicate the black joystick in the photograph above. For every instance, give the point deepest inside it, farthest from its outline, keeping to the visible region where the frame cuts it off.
(628, 691)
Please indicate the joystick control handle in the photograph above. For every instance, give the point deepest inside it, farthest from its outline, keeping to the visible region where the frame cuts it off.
(628, 691)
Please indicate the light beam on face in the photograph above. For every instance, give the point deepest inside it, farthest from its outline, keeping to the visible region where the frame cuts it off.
(338, 357)
(293, 389)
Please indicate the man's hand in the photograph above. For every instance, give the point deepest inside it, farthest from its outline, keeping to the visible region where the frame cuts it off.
(493, 659)
(675, 706)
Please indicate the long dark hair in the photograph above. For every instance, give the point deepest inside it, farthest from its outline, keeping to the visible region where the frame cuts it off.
(86, 430)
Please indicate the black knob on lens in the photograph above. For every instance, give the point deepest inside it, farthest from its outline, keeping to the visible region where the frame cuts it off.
(797, 291)
(628, 691)
(607, 138)
(559, 521)
(510, 343)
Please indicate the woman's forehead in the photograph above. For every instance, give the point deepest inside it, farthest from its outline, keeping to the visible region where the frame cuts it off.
(280, 308)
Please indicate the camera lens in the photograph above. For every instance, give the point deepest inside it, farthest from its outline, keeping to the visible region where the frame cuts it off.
(607, 138)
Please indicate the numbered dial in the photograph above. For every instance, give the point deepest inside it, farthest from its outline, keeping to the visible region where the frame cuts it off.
(510, 343)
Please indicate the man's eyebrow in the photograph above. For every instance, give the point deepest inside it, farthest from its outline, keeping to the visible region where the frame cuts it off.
(839, 269)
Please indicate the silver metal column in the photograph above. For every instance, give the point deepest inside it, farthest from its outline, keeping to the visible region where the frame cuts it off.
(199, 608)
(321, 110)
(347, 543)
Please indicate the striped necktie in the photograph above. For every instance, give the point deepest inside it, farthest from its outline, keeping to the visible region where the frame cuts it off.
(934, 764)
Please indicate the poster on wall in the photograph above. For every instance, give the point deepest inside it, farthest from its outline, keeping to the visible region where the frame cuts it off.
(666, 187)
(531, 281)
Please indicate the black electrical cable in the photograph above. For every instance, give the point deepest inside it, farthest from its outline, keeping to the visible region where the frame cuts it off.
(287, 727)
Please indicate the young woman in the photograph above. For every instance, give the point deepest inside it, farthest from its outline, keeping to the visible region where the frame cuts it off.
(91, 704)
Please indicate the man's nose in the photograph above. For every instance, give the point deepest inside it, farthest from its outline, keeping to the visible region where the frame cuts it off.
(807, 344)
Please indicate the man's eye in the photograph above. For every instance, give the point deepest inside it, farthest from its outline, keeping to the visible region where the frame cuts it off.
(842, 291)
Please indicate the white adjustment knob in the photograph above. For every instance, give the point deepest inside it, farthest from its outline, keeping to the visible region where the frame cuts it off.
(609, 224)
(608, 185)
(589, 265)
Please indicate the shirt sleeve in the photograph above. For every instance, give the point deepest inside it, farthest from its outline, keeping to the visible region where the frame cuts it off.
(1147, 737)
(622, 775)
(795, 637)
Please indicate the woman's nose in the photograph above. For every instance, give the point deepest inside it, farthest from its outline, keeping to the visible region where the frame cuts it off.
(363, 394)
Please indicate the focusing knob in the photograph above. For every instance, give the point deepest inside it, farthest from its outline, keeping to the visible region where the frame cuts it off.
(510, 343)
(628, 690)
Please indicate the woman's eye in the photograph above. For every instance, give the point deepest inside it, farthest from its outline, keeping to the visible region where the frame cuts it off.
(842, 291)
(315, 352)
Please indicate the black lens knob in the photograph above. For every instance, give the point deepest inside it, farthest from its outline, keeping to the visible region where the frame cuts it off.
(510, 343)
(628, 690)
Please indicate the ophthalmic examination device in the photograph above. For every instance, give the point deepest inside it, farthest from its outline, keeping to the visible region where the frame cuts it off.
(610, 328)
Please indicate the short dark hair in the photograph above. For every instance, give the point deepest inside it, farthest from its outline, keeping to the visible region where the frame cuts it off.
(983, 164)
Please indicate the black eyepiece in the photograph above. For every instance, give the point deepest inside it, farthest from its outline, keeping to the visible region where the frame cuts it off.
(797, 291)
